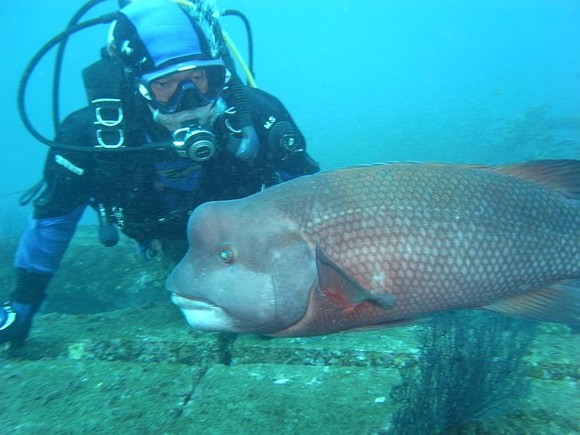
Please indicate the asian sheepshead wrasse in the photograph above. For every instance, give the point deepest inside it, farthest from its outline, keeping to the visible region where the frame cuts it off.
(384, 245)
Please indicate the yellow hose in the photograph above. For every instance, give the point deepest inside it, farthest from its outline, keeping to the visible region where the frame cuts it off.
(243, 65)
(185, 3)
(240, 59)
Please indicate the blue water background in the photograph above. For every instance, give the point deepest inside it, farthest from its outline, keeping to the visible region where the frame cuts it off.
(367, 80)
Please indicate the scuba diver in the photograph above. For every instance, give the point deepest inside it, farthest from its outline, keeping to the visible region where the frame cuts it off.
(169, 126)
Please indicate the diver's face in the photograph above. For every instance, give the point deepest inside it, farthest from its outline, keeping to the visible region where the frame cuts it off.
(164, 88)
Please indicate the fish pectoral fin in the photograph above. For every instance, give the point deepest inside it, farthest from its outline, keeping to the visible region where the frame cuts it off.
(342, 288)
(558, 303)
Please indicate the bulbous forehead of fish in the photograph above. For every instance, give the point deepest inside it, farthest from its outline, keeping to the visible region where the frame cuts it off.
(239, 222)
(210, 220)
(258, 258)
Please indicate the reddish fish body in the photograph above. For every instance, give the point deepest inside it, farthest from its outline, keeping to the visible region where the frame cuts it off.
(385, 244)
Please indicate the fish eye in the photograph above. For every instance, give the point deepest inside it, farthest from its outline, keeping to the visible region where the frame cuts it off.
(227, 254)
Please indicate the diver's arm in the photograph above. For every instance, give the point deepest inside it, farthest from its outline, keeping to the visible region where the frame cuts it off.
(46, 237)
(59, 207)
(67, 174)
(41, 247)
(280, 135)
(44, 242)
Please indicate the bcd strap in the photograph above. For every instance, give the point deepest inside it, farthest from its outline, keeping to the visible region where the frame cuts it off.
(106, 85)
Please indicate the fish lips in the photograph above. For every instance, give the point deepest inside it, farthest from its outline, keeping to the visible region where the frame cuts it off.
(203, 315)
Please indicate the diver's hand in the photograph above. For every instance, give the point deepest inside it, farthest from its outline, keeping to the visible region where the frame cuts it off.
(249, 144)
(15, 321)
(150, 249)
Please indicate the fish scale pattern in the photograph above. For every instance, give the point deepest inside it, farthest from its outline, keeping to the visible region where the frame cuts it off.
(438, 237)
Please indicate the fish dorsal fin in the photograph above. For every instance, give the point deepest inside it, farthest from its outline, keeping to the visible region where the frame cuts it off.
(561, 175)
(557, 303)
(342, 288)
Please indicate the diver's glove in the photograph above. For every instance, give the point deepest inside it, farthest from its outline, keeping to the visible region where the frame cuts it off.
(248, 145)
(16, 315)
(150, 249)
(15, 322)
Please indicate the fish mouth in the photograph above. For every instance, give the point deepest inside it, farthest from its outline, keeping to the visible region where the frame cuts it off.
(188, 303)
(203, 315)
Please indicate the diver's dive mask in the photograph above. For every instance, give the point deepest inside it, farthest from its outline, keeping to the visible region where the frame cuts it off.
(182, 101)
(186, 94)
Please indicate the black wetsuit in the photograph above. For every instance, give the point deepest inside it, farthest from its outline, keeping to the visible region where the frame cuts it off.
(155, 190)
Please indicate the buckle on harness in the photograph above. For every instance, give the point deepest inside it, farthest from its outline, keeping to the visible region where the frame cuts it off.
(109, 115)
(108, 111)
(101, 141)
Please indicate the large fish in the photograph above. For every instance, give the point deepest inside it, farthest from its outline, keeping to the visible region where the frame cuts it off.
(385, 245)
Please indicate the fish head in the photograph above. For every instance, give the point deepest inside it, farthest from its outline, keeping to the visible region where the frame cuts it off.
(246, 269)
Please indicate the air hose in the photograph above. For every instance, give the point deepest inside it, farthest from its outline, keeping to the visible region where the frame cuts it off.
(249, 144)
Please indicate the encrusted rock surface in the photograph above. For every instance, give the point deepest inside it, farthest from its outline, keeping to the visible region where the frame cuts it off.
(141, 369)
